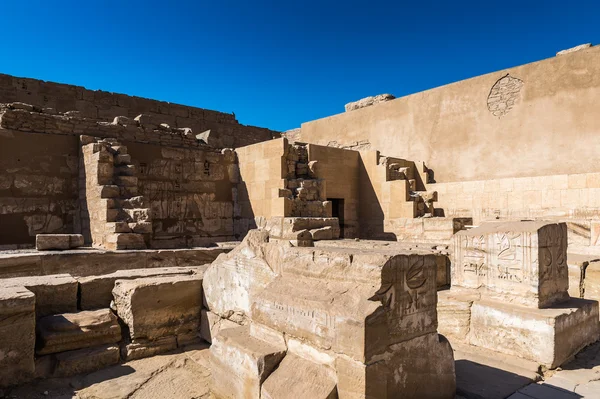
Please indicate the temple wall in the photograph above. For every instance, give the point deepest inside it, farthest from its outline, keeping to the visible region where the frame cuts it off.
(38, 185)
(540, 121)
(105, 106)
(189, 193)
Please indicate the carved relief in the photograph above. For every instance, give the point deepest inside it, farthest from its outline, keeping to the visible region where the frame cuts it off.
(504, 95)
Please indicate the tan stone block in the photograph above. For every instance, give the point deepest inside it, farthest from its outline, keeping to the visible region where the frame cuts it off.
(155, 307)
(17, 335)
(68, 331)
(141, 348)
(211, 324)
(96, 291)
(298, 378)
(85, 360)
(240, 363)
(53, 294)
(551, 198)
(592, 180)
(45, 242)
(577, 181)
(548, 336)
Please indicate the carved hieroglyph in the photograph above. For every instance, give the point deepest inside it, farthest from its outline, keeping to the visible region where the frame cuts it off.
(523, 261)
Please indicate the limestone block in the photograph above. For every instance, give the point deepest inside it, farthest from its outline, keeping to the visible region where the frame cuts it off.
(69, 331)
(548, 336)
(53, 294)
(454, 312)
(234, 278)
(80, 361)
(211, 324)
(141, 348)
(96, 291)
(299, 378)
(155, 307)
(397, 304)
(521, 262)
(109, 191)
(44, 242)
(240, 363)
(591, 283)
(125, 241)
(324, 233)
(17, 335)
(423, 367)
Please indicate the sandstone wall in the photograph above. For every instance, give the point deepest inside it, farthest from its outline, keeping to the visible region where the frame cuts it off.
(38, 185)
(105, 106)
(532, 120)
(189, 193)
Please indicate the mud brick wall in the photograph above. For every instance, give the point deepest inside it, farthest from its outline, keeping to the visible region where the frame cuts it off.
(189, 193)
(226, 131)
(38, 185)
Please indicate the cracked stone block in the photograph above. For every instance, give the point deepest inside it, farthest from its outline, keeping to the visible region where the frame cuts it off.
(17, 335)
(70, 331)
(155, 307)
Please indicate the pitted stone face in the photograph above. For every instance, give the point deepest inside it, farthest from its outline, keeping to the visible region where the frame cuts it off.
(505, 93)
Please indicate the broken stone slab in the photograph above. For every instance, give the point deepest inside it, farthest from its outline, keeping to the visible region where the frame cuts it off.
(53, 294)
(548, 336)
(240, 363)
(155, 307)
(141, 348)
(45, 242)
(518, 262)
(211, 323)
(17, 335)
(368, 101)
(80, 361)
(96, 291)
(574, 49)
(299, 378)
(70, 331)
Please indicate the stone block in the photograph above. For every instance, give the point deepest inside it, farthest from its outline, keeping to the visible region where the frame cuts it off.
(53, 294)
(141, 227)
(240, 363)
(109, 191)
(549, 336)
(141, 348)
(96, 291)
(80, 361)
(211, 324)
(17, 335)
(125, 241)
(521, 262)
(298, 378)
(44, 242)
(70, 331)
(454, 313)
(591, 282)
(155, 307)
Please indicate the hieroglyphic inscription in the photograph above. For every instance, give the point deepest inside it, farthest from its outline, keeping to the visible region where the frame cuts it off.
(509, 259)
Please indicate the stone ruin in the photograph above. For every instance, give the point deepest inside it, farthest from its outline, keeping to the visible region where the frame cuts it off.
(327, 262)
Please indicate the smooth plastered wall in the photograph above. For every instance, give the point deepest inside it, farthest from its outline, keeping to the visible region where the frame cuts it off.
(532, 120)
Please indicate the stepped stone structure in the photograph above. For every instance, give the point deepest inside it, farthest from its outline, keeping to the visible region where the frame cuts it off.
(441, 243)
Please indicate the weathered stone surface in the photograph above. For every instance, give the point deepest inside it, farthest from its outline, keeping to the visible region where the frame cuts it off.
(53, 294)
(79, 361)
(299, 378)
(232, 279)
(141, 348)
(240, 363)
(573, 49)
(125, 241)
(17, 335)
(454, 313)
(549, 336)
(211, 324)
(368, 101)
(519, 262)
(155, 307)
(44, 242)
(96, 291)
(70, 331)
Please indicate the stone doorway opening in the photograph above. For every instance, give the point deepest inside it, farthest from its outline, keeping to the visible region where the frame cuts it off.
(337, 211)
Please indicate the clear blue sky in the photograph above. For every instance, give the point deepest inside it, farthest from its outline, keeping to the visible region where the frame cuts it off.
(280, 63)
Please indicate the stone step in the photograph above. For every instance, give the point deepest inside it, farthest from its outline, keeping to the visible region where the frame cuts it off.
(128, 192)
(141, 227)
(481, 373)
(53, 293)
(136, 215)
(80, 361)
(118, 227)
(125, 181)
(124, 241)
(109, 191)
(70, 331)
(299, 378)
(133, 202)
(122, 159)
(241, 362)
(125, 170)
